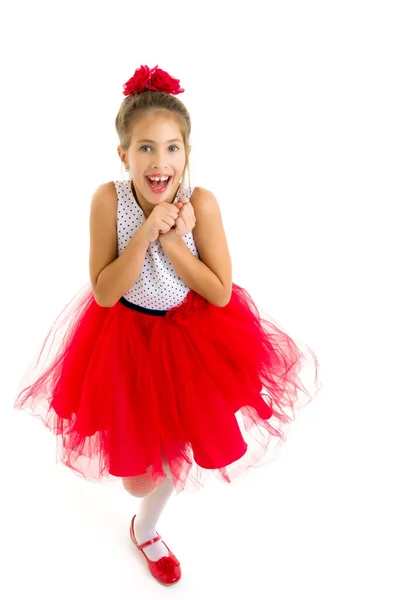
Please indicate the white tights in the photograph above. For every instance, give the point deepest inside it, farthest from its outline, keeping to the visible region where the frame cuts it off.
(154, 500)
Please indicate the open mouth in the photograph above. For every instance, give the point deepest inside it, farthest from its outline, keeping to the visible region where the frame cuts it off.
(158, 186)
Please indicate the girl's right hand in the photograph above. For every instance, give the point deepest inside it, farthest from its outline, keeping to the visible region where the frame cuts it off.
(161, 219)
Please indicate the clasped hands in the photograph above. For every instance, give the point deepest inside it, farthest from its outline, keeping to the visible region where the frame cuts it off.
(184, 223)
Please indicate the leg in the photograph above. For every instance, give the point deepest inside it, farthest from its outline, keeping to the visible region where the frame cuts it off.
(138, 486)
(150, 510)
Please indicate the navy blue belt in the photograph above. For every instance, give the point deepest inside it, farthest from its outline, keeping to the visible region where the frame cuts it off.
(142, 309)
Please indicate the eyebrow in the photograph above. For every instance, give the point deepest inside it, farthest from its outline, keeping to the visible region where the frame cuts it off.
(153, 142)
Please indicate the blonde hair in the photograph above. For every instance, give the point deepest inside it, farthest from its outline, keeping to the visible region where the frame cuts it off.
(136, 106)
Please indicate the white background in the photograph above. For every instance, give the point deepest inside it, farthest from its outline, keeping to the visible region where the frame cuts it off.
(295, 112)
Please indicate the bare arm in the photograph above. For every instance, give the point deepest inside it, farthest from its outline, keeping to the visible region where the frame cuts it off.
(211, 274)
(120, 275)
(112, 275)
(194, 273)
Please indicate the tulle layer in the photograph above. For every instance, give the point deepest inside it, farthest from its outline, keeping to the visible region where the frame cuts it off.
(210, 390)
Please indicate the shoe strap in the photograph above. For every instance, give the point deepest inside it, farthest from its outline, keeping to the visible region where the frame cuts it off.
(149, 542)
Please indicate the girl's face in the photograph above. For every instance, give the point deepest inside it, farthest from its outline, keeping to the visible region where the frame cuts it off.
(156, 148)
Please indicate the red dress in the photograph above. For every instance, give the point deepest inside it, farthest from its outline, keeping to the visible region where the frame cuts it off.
(165, 374)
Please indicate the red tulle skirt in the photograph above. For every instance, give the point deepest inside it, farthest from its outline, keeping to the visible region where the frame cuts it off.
(209, 390)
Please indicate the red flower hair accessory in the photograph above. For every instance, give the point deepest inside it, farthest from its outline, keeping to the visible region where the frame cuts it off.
(152, 79)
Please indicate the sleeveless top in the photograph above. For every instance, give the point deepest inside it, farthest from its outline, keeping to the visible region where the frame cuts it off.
(158, 286)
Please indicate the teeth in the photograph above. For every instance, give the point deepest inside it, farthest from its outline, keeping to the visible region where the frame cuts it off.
(159, 178)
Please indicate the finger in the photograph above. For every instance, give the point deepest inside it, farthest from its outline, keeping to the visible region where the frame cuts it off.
(180, 223)
(170, 221)
(184, 211)
(178, 210)
(188, 209)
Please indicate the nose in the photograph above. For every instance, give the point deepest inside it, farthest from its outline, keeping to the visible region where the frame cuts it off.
(159, 160)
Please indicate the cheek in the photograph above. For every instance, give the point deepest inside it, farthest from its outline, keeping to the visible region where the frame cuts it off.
(140, 162)
(181, 162)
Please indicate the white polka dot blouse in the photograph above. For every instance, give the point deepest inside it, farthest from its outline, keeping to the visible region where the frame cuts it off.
(158, 286)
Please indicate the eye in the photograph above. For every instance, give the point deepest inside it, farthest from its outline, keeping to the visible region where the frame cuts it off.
(173, 146)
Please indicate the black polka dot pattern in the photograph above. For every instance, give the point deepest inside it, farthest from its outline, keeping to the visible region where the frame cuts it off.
(158, 286)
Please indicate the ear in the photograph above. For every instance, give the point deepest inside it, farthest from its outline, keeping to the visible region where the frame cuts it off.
(121, 154)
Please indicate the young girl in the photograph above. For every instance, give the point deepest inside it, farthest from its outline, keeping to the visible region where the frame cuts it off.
(165, 372)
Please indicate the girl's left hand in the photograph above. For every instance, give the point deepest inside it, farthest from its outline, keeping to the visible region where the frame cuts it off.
(185, 222)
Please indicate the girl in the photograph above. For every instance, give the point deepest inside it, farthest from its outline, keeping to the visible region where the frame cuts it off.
(165, 372)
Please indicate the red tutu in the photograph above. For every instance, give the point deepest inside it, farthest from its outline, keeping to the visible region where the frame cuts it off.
(210, 389)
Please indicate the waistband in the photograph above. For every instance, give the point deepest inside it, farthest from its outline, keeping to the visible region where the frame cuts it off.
(142, 309)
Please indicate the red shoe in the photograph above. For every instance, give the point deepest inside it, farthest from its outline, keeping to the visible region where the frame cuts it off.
(167, 569)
